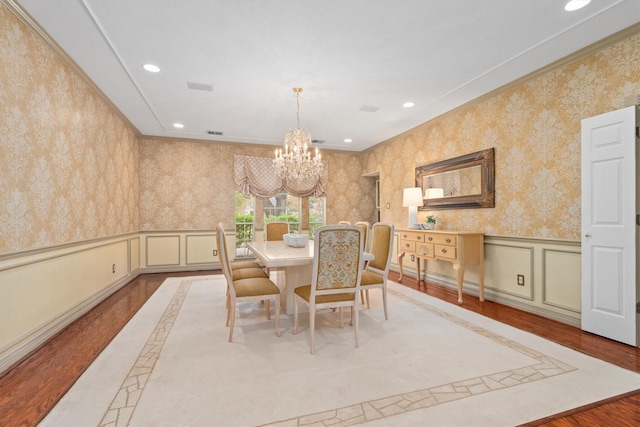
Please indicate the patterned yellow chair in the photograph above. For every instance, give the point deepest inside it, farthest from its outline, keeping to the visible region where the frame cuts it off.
(377, 270)
(344, 223)
(337, 268)
(249, 284)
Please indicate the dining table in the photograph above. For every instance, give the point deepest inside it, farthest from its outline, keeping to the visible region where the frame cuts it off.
(295, 262)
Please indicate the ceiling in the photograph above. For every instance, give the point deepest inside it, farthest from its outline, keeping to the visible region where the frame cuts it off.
(357, 61)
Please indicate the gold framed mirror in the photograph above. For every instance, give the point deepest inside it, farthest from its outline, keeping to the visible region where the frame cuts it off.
(463, 182)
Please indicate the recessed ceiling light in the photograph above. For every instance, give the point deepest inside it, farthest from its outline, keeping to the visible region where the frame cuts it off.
(348, 140)
(178, 125)
(151, 68)
(408, 104)
(575, 5)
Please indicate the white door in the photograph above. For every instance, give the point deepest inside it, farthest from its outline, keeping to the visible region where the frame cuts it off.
(609, 286)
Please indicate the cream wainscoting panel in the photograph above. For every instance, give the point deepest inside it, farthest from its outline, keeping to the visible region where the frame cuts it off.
(561, 275)
(163, 251)
(503, 264)
(134, 254)
(551, 270)
(200, 249)
(45, 290)
(180, 250)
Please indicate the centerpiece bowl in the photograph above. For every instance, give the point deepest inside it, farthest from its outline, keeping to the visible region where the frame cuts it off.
(296, 240)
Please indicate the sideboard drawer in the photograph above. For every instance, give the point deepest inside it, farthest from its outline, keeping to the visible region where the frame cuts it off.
(407, 246)
(444, 251)
(424, 249)
(412, 236)
(440, 239)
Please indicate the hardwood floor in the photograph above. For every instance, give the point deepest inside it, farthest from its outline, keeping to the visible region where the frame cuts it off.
(30, 389)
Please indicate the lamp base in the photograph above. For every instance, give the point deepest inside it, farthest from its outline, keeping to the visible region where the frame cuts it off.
(413, 217)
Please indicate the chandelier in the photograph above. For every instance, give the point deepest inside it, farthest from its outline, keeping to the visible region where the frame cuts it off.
(295, 162)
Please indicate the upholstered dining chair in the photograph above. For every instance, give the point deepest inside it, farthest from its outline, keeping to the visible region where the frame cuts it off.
(344, 223)
(275, 230)
(366, 227)
(375, 274)
(335, 282)
(239, 269)
(248, 284)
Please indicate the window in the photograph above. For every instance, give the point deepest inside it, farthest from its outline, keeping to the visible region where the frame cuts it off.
(316, 214)
(283, 207)
(245, 213)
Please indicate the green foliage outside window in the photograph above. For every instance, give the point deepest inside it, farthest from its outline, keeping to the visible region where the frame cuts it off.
(244, 229)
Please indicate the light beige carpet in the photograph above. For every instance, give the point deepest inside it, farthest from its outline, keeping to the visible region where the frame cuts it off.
(431, 364)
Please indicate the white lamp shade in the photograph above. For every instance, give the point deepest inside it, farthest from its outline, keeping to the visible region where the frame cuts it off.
(412, 197)
(433, 193)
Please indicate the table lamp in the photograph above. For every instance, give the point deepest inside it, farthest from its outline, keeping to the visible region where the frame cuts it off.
(412, 198)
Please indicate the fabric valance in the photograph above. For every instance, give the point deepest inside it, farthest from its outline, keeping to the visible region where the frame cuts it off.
(256, 176)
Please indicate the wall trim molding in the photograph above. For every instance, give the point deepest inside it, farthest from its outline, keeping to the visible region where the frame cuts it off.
(32, 256)
(536, 240)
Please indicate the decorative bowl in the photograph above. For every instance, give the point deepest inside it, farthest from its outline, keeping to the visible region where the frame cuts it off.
(296, 240)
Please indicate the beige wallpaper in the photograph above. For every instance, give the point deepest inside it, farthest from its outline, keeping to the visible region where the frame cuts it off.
(72, 169)
(187, 185)
(68, 162)
(535, 129)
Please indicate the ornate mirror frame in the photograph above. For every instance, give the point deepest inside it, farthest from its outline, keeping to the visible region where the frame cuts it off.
(485, 199)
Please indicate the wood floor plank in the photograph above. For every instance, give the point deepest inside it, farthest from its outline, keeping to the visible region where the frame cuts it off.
(30, 389)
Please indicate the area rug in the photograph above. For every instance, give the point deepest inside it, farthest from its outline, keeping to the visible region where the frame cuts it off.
(431, 364)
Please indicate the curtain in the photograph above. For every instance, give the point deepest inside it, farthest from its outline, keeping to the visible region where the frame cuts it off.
(256, 176)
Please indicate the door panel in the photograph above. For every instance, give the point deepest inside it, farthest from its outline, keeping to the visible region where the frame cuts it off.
(609, 283)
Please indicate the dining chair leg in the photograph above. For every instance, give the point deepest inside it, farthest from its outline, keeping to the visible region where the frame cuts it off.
(228, 309)
(267, 307)
(361, 296)
(277, 321)
(232, 315)
(295, 316)
(340, 317)
(366, 292)
(384, 303)
(354, 313)
(312, 325)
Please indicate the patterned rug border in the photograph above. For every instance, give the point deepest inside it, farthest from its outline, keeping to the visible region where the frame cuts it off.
(126, 399)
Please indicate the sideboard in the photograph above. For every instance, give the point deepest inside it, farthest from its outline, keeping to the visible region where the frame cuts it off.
(461, 248)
